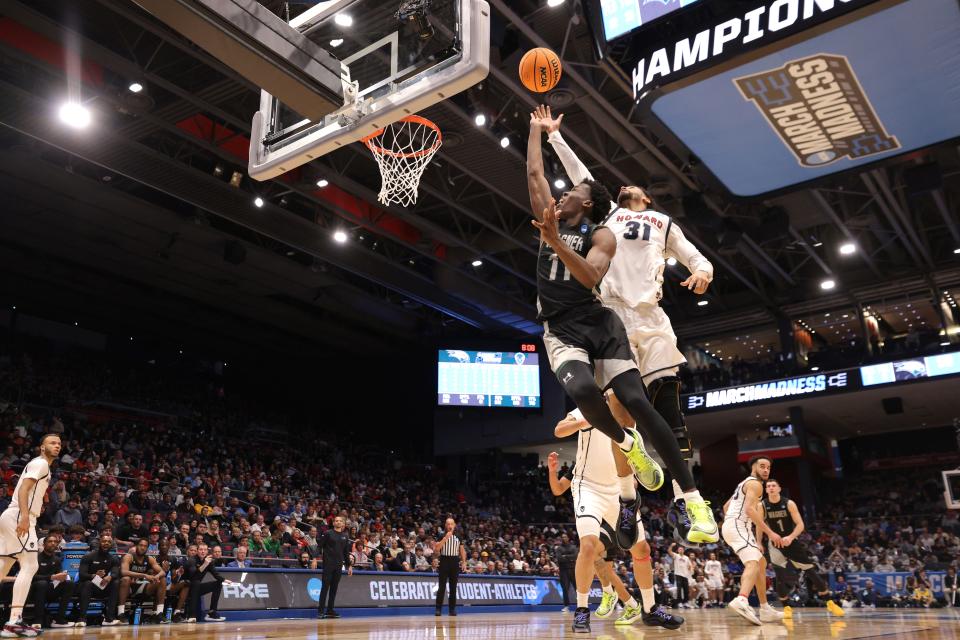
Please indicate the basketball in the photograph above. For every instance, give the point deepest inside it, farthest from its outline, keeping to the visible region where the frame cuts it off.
(540, 69)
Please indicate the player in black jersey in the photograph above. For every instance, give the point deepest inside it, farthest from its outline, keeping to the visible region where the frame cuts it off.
(586, 342)
(141, 575)
(792, 557)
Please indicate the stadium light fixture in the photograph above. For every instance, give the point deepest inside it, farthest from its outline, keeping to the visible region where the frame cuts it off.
(559, 183)
(258, 202)
(343, 19)
(336, 42)
(671, 261)
(828, 284)
(74, 114)
(477, 263)
(480, 119)
(340, 236)
(703, 303)
(322, 183)
(505, 142)
(554, 3)
(848, 248)
(135, 87)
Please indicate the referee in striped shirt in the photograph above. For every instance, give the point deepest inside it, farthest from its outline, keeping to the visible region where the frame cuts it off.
(453, 558)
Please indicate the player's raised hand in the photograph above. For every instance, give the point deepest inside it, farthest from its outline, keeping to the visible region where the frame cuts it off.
(23, 524)
(548, 224)
(697, 282)
(545, 119)
(553, 462)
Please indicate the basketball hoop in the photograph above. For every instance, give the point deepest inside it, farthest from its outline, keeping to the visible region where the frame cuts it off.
(403, 150)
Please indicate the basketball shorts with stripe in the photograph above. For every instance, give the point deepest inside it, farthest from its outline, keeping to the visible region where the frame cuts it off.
(739, 537)
(594, 506)
(10, 543)
(595, 336)
(651, 337)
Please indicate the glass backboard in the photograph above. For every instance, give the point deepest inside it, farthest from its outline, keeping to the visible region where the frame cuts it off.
(396, 59)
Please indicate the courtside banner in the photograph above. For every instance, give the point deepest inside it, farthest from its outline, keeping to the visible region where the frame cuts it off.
(300, 589)
(888, 584)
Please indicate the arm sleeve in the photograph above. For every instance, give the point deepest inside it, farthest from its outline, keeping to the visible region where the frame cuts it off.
(575, 170)
(683, 250)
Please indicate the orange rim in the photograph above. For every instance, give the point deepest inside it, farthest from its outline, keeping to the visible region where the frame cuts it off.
(374, 147)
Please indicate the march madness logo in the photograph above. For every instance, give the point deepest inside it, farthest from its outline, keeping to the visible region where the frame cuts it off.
(818, 108)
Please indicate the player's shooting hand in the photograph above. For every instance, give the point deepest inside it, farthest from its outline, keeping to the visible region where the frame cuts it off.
(545, 119)
(548, 224)
(553, 462)
(697, 282)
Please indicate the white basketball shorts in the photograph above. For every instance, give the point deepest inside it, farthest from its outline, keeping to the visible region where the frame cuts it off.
(651, 338)
(739, 537)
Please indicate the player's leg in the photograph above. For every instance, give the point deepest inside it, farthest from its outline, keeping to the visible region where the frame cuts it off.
(767, 612)
(21, 586)
(740, 538)
(590, 546)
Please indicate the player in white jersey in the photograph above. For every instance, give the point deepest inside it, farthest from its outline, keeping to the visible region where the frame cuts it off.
(713, 571)
(18, 532)
(741, 514)
(632, 288)
(595, 488)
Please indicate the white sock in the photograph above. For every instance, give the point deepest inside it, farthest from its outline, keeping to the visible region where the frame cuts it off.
(121, 609)
(677, 492)
(628, 490)
(14, 619)
(692, 496)
(649, 599)
(583, 600)
(632, 603)
(627, 443)
(608, 589)
(160, 608)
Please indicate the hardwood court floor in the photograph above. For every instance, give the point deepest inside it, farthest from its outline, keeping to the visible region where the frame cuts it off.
(700, 625)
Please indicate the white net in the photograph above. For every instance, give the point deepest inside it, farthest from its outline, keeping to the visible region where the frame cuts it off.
(403, 150)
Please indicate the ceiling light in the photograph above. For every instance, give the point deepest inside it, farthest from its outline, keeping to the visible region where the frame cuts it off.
(75, 115)
(477, 263)
(480, 119)
(828, 284)
(671, 261)
(343, 19)
(703, 303)
(322, 183)
(340, 236)
(135, 87)
(847, 248)
(336, 42)
(258, 201)
(944, 344)
(957, 250)
(504, 142)
(554, 3)
(559, 183)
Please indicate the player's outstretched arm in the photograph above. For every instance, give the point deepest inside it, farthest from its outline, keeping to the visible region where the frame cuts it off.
(572, 166)
(701, 269)
(536, 179)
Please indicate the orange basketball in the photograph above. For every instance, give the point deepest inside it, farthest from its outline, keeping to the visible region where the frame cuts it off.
(540, 69)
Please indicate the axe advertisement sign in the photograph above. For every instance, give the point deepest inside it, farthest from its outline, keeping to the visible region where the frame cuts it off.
(297, 589)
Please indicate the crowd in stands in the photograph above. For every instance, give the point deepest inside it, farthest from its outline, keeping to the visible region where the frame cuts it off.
(142, 461)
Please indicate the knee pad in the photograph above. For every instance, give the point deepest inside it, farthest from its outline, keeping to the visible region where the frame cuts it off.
(665, 396)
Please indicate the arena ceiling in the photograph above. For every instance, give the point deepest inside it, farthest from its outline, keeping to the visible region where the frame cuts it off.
(136, 212)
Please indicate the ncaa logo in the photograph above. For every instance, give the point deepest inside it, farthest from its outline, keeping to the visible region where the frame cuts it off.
(584, 228)
(313, 588)
(581, 508)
